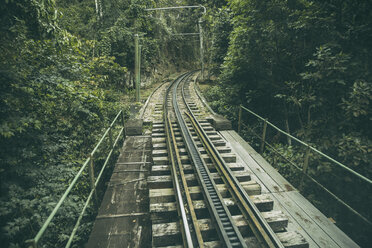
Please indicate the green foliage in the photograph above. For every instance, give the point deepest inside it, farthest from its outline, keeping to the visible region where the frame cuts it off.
(56, 99)
(306, 66)
(64, 66)
(221, 30)
(78, 17)
(279, 156)
(356, 151)
(217, 98)
(357, 104)
(39, 17)
(293, 60)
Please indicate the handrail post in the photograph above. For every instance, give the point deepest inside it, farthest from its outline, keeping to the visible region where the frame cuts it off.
(110, 137)
(240, 119)
(123, 122)
(91, 175)
(306, 165)
(263, 135)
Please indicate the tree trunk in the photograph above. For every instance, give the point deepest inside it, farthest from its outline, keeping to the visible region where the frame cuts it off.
(97, 9)
(100, 9)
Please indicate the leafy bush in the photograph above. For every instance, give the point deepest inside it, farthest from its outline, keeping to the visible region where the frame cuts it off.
(305, 66)
(56, 99)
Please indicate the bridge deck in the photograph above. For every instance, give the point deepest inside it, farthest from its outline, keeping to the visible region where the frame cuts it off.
(123, 220)
(124, 208)
(317, 229)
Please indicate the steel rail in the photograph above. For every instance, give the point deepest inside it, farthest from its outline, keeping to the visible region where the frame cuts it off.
(185, 229)
(257, 223)
(226, 228)
(199, 238)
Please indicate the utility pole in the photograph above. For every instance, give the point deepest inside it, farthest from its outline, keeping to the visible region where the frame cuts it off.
(201, 48)
(137, 66)
(139, 69)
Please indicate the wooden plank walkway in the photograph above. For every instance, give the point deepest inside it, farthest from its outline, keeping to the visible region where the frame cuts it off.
(318, 230)
(122, 219)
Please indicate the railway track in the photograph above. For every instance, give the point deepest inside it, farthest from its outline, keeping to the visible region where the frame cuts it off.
(199, 195)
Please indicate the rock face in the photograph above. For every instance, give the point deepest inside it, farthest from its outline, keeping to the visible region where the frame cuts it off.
(133, 127)
(219, 122)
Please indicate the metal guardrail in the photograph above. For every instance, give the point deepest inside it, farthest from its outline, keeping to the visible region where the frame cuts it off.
(89, 162)
(306, 159)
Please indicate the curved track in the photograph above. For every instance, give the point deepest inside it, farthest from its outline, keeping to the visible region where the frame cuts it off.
(228, 232)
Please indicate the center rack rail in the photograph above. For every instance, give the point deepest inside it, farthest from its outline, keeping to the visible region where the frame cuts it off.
(228, 232)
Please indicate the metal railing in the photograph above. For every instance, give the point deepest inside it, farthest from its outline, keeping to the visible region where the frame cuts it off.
(304, 168)
(93, 181)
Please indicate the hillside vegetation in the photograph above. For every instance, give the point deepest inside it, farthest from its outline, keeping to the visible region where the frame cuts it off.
(65, 66)
(307, 67)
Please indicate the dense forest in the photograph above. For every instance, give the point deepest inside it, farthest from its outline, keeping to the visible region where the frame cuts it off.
(306, 62)
(307, 67)
(66, 68)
